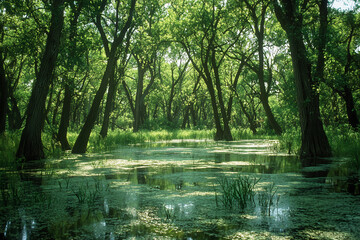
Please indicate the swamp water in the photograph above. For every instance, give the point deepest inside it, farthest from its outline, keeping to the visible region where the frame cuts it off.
(172, 190)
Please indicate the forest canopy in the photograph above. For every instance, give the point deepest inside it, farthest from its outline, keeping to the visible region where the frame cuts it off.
(270, 66)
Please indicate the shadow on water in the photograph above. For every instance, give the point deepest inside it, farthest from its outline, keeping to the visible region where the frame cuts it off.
(172, 190)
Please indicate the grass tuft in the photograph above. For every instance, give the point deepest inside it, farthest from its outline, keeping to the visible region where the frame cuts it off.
(237, 192)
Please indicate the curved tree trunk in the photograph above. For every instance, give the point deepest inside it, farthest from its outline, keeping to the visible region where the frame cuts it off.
(260, 32)
(109, 106)
(31, 147)
(314, 142)
(83, 138)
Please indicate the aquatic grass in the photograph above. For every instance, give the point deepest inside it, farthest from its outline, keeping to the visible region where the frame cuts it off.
(268, 199)
(237, 192)
(168, 212)
(67, 179)
(86, 193)
(80, 193)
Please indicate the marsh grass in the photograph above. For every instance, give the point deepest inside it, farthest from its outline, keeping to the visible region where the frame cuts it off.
(237, 192)
(121, 137)
(89, 193)
(268, 199)
(168, 213)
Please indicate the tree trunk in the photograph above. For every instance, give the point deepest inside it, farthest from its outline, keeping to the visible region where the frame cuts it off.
(31, 147)
(83, 138)
(314, 142)
(264, 97)
(227, 132)
(138, 99)
(219, 135)
(109, 106)
(3, 95)
(350, 108)
(14, 116)
(65, 119)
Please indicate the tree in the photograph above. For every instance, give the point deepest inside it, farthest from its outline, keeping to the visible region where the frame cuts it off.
(113, 84)
(342, 68)
(290, 14)
(112, 55)
(65, 114)
(258, 26)
(31, 147)
(3, 90)
(206, 46)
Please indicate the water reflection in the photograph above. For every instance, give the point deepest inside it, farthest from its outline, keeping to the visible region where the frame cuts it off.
(166, 190)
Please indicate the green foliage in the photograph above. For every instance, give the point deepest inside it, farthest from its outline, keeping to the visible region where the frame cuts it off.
(8, 146)
(344, 141)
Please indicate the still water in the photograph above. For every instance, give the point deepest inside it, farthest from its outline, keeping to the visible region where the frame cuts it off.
(171, 190)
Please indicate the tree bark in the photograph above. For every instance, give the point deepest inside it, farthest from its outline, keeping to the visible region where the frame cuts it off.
(314, 142)
(31, 147)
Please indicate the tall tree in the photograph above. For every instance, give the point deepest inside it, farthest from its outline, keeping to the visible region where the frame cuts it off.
(113, 85)
(258, 26)
(206, 43)
(343, 67)
(290, 13)
(3, 89)
(112, 55)
(68, 82)
(31, 147)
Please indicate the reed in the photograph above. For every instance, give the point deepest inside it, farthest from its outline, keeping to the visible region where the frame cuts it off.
(237, 192)
(268, 199)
